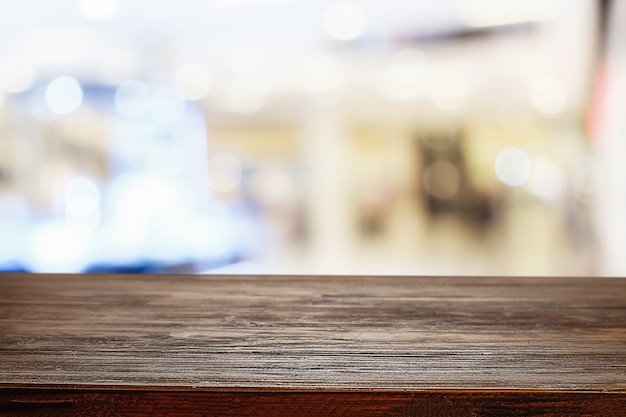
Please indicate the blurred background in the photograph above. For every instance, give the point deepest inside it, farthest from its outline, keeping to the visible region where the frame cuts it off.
(313, 136)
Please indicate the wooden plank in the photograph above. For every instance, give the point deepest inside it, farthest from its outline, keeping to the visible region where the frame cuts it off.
(396, 346)
(144, 403)
(314, 332)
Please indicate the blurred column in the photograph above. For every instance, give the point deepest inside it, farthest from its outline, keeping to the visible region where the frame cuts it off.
(326, 162)
(407, 218)
(610, 210)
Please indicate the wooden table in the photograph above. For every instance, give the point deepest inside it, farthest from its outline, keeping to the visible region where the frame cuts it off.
(103, 345)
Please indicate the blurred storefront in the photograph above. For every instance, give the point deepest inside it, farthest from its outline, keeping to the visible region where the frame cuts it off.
(308, 137)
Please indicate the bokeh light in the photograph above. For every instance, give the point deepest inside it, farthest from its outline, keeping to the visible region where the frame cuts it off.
(448, 90)
(549, 95)
(132, 98)
(246, 95)
(193, 80)
(322, 77)
(82, 203)
(345, 21)
(63, 95)
(548, 181)
(406, 75)
(513, 167)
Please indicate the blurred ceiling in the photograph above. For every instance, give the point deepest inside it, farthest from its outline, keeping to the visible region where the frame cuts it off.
(487, 51)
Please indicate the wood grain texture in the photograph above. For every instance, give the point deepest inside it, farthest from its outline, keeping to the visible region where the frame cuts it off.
(312, 346)
(144, 403)
(314, 332)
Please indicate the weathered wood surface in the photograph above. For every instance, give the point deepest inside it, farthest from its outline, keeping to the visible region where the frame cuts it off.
(317, 332)
(398, 346)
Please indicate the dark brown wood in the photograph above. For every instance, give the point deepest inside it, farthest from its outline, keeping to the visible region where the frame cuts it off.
(141, 403)
(312, 346)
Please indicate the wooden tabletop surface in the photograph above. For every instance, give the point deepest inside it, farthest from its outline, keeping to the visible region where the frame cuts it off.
(312, 334)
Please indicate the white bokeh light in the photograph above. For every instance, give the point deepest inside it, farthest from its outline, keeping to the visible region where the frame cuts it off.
(63, 95)
(404, 78)
(99, 9)
(513, 167)
(448, 90)
(345, 22)
(82, 203)
(549, 95)
(193, 81)
(16, 75)
(548, 181)
(323, 78)
(167, 106)
(246, 96)
(132, 98)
